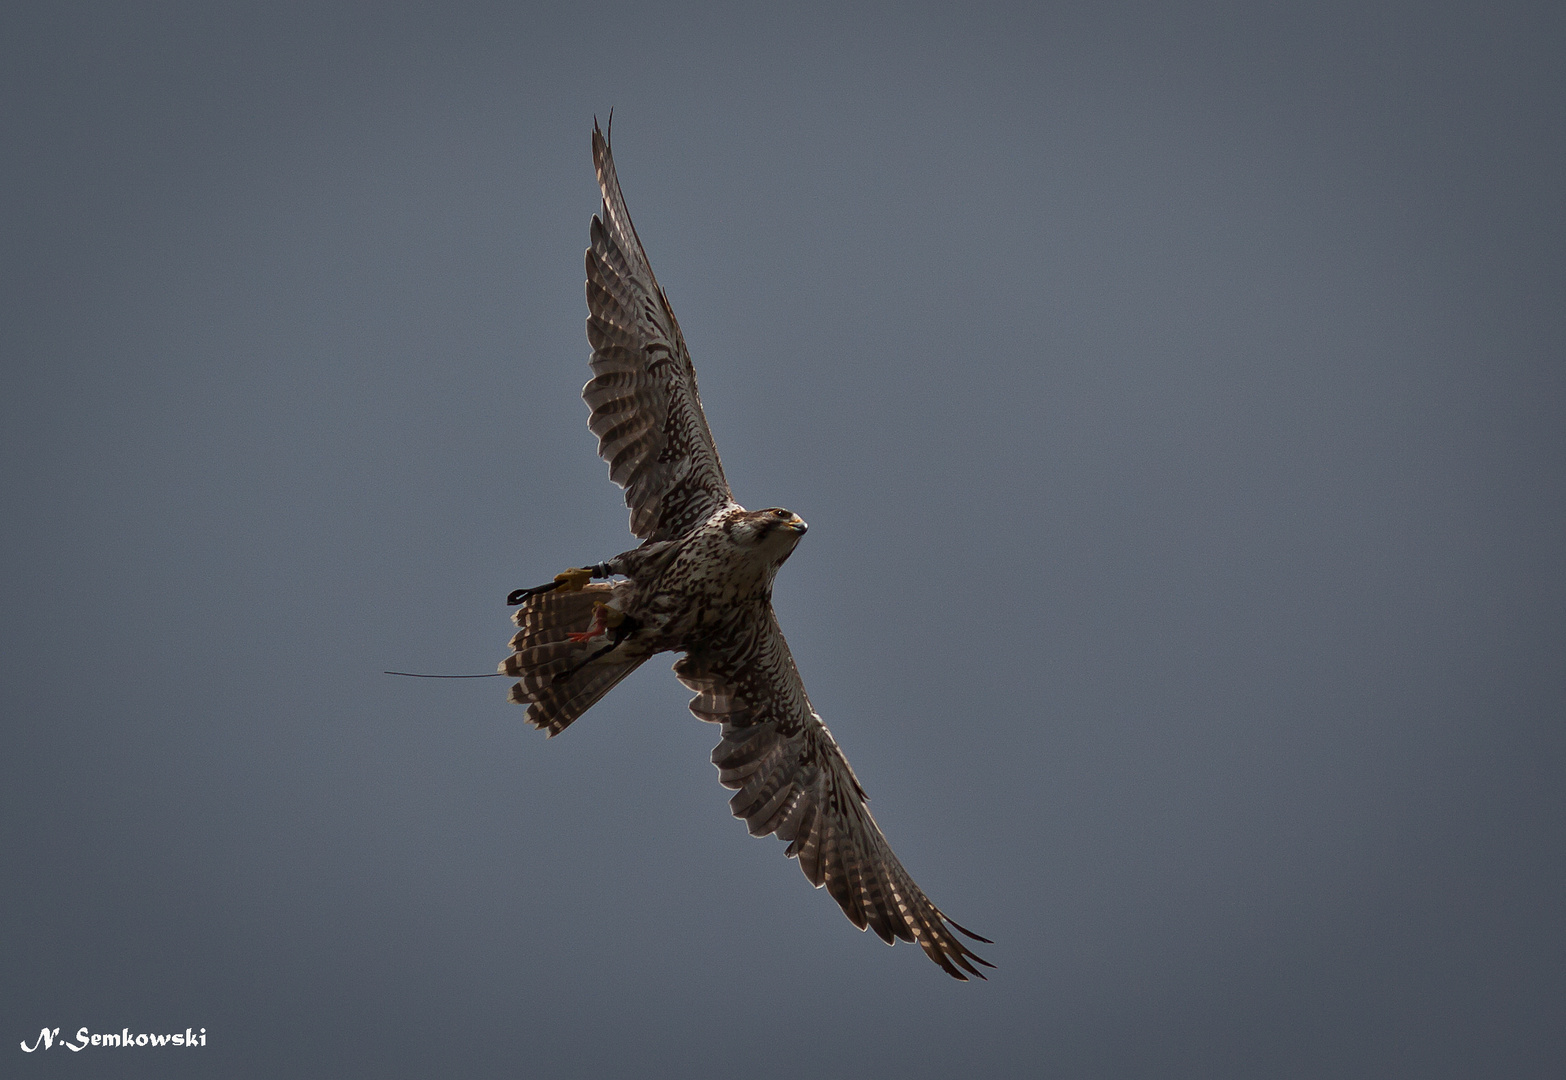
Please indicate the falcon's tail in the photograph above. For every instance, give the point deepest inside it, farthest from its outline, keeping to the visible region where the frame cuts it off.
(543, 650)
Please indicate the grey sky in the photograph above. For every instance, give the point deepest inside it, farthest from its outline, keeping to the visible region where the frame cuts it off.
(1175, 393)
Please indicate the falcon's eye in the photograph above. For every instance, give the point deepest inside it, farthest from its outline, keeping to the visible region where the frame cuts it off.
(780, 513)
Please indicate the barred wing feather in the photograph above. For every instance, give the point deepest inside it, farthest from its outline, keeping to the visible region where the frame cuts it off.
(645, 407)
(792, 780)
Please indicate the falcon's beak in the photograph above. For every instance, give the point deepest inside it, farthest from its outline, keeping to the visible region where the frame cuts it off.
(798, 525)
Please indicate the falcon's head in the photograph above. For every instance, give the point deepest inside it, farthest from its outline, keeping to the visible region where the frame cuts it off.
(772, 532)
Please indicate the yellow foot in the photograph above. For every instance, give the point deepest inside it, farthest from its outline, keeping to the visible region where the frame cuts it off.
(604, 618)
(573, 580)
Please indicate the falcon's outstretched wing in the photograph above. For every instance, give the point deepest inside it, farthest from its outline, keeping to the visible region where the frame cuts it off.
(645, 408)
(794, 781)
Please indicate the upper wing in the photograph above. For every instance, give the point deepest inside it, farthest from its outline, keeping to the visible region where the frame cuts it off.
(794, 781)
(645, 408)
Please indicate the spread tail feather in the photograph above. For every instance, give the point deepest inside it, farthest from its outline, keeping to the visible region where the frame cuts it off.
(543, 650)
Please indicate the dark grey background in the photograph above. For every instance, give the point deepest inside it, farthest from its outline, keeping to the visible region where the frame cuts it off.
(1176, 396)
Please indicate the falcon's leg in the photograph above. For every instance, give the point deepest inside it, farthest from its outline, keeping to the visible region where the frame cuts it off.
(622, 630)
(604, 618)
(571, 580)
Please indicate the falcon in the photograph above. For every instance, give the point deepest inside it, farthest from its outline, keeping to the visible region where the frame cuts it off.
(701, 584)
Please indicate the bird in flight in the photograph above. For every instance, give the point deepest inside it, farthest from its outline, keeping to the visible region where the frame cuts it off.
(701, 584)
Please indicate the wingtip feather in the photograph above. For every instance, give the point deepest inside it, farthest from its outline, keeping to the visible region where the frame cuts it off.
(961, 929)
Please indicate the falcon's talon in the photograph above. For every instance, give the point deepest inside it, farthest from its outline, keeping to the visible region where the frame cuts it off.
(623, 625)
(605, 618)
(598, 626)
